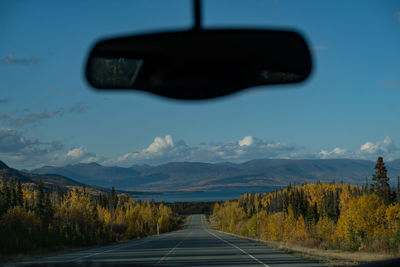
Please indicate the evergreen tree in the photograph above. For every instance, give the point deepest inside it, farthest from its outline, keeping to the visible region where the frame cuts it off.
(40, 201)
(380, 184)
(4, 202)
(13, 192)
(7, 196)
(20, 196)
(48, 211)
(113, 199)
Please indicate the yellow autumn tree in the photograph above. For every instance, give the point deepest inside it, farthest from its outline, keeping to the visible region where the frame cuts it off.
(272, 226)
(164, 220)
(289, 225)
(361, 221)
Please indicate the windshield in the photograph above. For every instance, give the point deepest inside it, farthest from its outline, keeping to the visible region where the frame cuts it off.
(138, 151)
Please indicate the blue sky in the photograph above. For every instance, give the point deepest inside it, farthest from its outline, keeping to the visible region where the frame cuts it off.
(349, 107)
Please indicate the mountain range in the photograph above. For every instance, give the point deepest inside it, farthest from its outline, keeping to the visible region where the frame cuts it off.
(50, 181)
(205, 176)
(8, 173)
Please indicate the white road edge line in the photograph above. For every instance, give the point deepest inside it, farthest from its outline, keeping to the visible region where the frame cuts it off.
(233, 245)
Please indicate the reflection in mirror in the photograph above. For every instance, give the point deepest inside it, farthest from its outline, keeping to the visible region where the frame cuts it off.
(115, 72)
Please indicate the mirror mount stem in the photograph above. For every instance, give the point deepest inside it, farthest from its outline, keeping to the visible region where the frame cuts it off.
(197, 15)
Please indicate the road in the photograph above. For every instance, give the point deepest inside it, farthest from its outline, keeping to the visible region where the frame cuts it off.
(193, 246)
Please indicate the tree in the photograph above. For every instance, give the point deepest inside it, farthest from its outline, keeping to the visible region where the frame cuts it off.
(40, 201)
(113, 199)
(361, 221)
(48, 211)
(13, 192)
(380, 185)
(7, 195)
(20, 195)
(19, 230)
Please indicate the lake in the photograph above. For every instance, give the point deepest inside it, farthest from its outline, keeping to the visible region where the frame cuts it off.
(205, 196)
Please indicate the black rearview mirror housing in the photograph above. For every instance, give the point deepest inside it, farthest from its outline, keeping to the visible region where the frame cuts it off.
(199, 64)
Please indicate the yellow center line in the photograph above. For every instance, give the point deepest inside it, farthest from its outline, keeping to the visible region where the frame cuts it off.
(172, 249)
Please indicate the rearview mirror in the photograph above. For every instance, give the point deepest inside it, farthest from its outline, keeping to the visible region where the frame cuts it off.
(199, 64)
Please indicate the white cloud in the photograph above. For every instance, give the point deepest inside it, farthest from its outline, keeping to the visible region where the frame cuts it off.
(20, 151)
(95, 159)
(369, 147)
(77, 152)
(161, 150)
(24, 152)
(165, 149)
(339, 150)
(73, 156)
(246, 141)
(335, 153)
(160, 145)
(384, 147)
(368, 150)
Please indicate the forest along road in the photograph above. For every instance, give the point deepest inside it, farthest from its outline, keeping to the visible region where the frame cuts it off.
(193, 246)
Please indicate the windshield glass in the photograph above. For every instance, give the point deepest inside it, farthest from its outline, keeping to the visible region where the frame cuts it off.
(329, 129)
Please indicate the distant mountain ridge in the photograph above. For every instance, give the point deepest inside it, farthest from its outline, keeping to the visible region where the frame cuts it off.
(203, 176)
(8, 173)
(50, 181)
(91, 173)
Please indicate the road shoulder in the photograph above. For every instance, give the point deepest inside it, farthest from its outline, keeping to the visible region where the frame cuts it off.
(328, 257)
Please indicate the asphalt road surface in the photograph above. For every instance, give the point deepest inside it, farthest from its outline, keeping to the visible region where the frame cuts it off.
(193, 246)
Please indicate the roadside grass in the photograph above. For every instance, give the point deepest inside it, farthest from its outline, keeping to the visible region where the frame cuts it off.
(328, 257)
